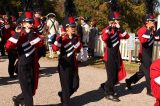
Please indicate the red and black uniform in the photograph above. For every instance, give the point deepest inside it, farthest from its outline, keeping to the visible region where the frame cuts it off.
(67, 65)
(146, 38)
(28, 68)
(12, 54)
(38, 27)
(155, 82)
(7, 33)
(2, 40)
(112, 57)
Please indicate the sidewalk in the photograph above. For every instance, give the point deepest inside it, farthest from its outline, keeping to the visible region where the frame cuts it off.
(88, 94)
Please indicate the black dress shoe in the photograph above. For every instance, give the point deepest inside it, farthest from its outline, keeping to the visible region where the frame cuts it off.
(17, 101)
(60, 95)
(64, 104)
(13, 76)
(102, 86)
(113, 97)
(128, 84)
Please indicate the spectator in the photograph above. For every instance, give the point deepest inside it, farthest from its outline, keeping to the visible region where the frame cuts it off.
(83, 55)
(53, 27)
(93, 34)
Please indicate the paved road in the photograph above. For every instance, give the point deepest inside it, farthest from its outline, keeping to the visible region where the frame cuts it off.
(88, 94)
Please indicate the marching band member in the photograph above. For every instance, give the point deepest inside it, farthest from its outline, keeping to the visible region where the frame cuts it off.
(26, 41)
(69, 45)
(8, 31)
(112, 35)
(147, 36)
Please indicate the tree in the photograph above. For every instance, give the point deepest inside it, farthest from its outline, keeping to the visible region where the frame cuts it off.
(132, 11)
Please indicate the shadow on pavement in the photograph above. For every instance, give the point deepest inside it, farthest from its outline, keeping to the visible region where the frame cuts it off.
(49, 105)
(47, 71)
(137, 88)
(44, 72)
(91, 96)
(8, 80)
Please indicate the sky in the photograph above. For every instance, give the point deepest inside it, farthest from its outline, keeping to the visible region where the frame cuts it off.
(159, 7)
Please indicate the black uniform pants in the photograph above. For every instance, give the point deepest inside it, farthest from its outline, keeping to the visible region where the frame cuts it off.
(69, 81)
(143, 71)
(112, 77)
(12, 56)
(26, 80)
(2, 49)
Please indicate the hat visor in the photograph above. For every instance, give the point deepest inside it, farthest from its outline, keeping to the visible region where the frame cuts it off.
(28, 20)
(72, 25)
(151, 19)
(116, 18)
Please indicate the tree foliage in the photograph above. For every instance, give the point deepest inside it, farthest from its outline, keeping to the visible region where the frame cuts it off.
(132, 12)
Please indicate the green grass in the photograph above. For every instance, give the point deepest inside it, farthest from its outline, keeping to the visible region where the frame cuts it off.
(131, 67)
(98, 63)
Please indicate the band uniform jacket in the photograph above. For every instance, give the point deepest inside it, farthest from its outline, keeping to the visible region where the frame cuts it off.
(155, 82)
(26, 44)
(66, 46)
(112, 38)
(38, 28)
(38, 25)
(7, 33)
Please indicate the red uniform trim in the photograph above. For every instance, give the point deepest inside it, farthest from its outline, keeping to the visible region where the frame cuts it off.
(155, 88)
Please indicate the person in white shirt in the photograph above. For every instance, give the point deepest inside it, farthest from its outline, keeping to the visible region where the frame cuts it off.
(83, 55)
(53, 27)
